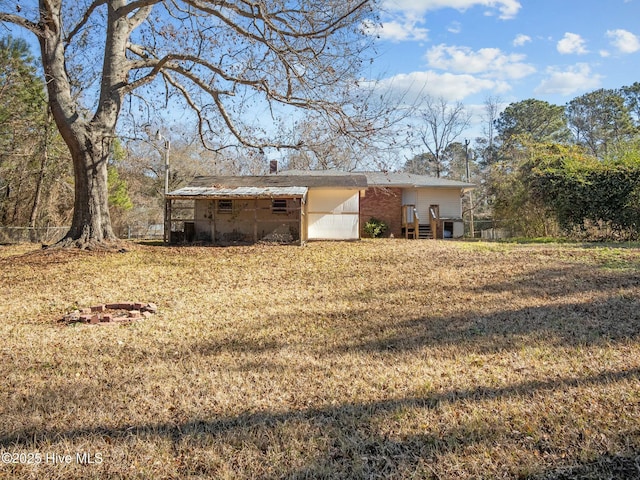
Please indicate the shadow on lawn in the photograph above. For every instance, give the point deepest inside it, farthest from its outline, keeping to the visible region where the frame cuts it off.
(612, 467)
(577, 324)
(351, 446)
(559, 282)
(577, 305)
(348, 443)
(573, 307)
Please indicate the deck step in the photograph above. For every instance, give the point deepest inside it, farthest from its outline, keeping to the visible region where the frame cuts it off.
(424, 231)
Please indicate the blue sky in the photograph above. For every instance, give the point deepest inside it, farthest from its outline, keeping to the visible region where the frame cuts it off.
(467, 50)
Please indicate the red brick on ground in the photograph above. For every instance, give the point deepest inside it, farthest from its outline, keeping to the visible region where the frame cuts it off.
(97, 313)
(151, 307)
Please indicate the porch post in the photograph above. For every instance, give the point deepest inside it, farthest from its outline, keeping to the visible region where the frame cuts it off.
(303, 220)
(167, 221)
(214, 214)
(255, 220)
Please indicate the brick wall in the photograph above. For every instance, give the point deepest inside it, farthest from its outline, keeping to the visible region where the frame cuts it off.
(384, 204)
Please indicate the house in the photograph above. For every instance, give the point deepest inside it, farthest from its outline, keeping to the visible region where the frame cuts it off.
(415, 206)
(297, 206)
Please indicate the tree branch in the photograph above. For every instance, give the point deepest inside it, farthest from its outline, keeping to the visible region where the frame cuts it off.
(139, 16)
(85, 18)
(21, 22)
(138, 5)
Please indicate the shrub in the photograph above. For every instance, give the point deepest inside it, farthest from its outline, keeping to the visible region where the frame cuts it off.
(375, 228)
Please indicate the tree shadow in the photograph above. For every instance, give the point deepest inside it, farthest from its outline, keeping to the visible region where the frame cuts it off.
(575, 324)
(552, 283)
(610, 466)
(349, 445)
(576, 305)
(569, 308)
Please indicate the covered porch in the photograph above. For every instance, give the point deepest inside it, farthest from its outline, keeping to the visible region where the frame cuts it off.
(235, 215)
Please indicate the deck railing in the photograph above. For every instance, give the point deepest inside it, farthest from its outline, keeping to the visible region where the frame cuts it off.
(410, 221)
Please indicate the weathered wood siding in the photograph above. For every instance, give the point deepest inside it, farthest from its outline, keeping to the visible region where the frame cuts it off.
(249, 220)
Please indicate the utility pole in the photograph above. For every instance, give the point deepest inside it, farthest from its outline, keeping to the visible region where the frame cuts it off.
(167, 202)
(466, 154)
(167, 147)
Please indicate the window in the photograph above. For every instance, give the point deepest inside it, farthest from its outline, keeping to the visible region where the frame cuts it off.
(279, 205)
(225, 206)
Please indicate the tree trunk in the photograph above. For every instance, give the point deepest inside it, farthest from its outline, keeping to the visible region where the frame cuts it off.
(35, 209)
(91, 224)
(89, 140)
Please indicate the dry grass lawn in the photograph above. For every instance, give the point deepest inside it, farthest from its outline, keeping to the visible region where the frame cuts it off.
(376, 359)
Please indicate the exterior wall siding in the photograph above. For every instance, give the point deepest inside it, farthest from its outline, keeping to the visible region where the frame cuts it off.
(448, 199)
(333, 214)
(383, 203)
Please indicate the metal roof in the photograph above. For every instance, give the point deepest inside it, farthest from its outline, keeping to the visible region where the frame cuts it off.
(239, 192)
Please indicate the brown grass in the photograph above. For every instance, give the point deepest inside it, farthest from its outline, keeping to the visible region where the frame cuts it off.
(376, 359)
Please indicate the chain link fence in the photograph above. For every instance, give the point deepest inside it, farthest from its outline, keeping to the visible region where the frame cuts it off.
(50, 235)
(32, 235)
(487, 229)
(143, 232)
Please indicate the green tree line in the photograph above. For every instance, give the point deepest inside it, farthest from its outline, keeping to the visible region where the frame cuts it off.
(544, 169)
(35, 182)
(572, 170)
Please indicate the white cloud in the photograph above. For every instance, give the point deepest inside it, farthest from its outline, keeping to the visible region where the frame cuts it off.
(624, 41)
(403, 20)
(490, 62)
(507, 8)
(521, 39)
(454, 27)
(572, 43)
(569, 81)
(449, 86)
(399, 30)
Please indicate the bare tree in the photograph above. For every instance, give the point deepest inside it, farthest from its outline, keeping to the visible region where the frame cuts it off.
(487, 143)
(442, 124)
(224, 60)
